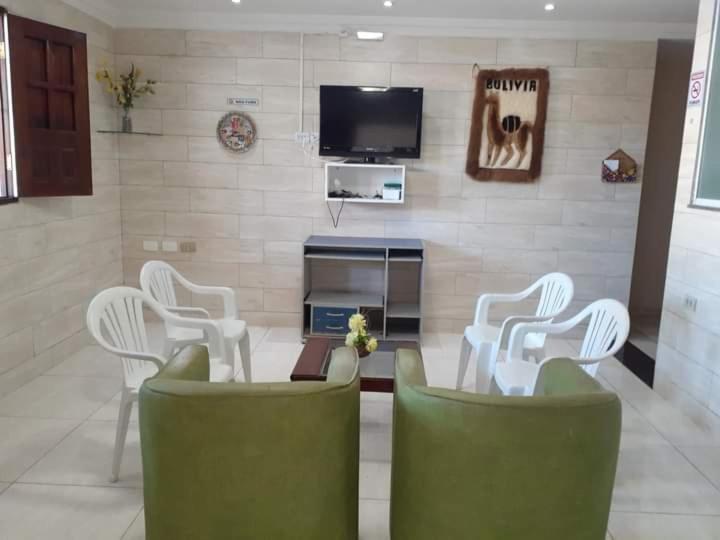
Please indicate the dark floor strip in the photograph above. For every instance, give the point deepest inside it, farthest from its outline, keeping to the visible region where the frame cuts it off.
(642, 365)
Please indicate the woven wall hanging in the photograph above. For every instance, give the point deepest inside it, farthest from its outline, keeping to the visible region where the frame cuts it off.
(507, 134)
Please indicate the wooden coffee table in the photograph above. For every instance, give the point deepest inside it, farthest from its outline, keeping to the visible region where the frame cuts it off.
(377, 371)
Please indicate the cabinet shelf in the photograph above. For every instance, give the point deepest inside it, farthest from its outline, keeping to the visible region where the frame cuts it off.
(365, 183)
(346, 275)
(403, 311)
(346, 256)
(347, 299)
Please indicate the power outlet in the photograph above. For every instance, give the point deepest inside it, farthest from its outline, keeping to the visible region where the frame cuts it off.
(691, 303)
(188, 247)
(307, 137)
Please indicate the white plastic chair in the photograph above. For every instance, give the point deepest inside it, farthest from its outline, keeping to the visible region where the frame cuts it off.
(487, 340)
(157, 278)
(606, 334)
(115, 319)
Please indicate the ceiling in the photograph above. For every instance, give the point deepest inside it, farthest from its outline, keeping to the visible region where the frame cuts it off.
(667, 11)
(678, 15)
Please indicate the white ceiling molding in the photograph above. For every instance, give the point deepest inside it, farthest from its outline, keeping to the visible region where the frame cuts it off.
(100, 9)
(493, 28)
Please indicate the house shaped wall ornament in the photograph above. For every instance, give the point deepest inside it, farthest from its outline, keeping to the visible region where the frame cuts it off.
(619, 168)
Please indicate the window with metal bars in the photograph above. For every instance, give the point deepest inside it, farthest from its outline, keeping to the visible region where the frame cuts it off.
(8, 184)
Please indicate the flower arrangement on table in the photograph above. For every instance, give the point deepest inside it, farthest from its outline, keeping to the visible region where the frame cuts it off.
(359, 338)
(126, 90)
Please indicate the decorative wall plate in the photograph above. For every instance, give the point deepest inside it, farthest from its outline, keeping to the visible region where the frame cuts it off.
(236, 132)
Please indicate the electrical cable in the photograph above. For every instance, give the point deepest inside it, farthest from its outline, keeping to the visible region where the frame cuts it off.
(335, 220)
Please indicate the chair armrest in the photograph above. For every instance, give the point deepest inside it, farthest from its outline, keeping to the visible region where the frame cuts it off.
(213, 330)
(486, 300)
(521, 330)
(227, 294)
(189, 311)
(410, 368)
(158, 361)
(344, 365)
(510, 323)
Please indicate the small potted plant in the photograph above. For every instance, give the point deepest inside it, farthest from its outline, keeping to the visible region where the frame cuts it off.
(126, 90)
(359, 338)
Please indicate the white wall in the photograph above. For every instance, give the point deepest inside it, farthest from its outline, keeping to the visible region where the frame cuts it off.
(57, 252)
(688, 364)
(250, 213)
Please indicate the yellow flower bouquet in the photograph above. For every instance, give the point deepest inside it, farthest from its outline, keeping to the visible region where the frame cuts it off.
(126, 89)
(359, 338)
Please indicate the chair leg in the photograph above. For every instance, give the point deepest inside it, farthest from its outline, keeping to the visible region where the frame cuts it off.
(465, 351)
(126, 404)
(230, 345)
(168, 349)
(484, 373)
(245, 357)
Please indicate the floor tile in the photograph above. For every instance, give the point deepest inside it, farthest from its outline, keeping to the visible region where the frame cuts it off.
(279, 349)
(257, 335)
(375, 412)
(275, 364)
(706, 459)
(431, 341)
(374, 520)
(3, 486)
(381, 397)
(26, 440)
(84, 458)
(375, 480)
(441, 370)
(663, 527)
(638, 432)
(284, 335)
(673, 424)
(136, 531)
(91, 361)
(37, 512)
(661, 480)
(59, 397)
(375, 442)
(109, 411)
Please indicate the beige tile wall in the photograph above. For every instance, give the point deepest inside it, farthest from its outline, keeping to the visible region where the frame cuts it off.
(57, 252)
(250, 213)
(688, 363)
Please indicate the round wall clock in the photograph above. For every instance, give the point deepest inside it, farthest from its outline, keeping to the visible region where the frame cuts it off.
(236, 132)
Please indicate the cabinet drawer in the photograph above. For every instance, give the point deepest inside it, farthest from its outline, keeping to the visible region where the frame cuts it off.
(331, 320)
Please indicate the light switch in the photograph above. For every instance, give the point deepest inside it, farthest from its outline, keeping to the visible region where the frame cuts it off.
(188, 247)
(151, 245)
(169, 245)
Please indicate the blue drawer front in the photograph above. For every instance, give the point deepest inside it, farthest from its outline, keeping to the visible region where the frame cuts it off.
(331, 320)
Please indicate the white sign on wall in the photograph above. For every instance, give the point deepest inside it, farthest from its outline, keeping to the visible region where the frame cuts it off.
(244, 103)
(697, 89)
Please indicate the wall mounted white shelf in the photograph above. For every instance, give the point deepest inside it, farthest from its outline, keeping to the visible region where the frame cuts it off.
(365, 183)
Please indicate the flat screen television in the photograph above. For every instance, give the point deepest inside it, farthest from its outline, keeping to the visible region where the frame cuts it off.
(369, 122)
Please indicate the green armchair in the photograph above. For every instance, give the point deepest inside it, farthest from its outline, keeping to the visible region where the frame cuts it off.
(241, 461)
(487, 467)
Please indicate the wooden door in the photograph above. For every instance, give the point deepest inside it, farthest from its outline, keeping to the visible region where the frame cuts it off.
(49, 73)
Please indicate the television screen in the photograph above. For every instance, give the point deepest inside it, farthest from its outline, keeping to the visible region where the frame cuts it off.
(370, 122)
